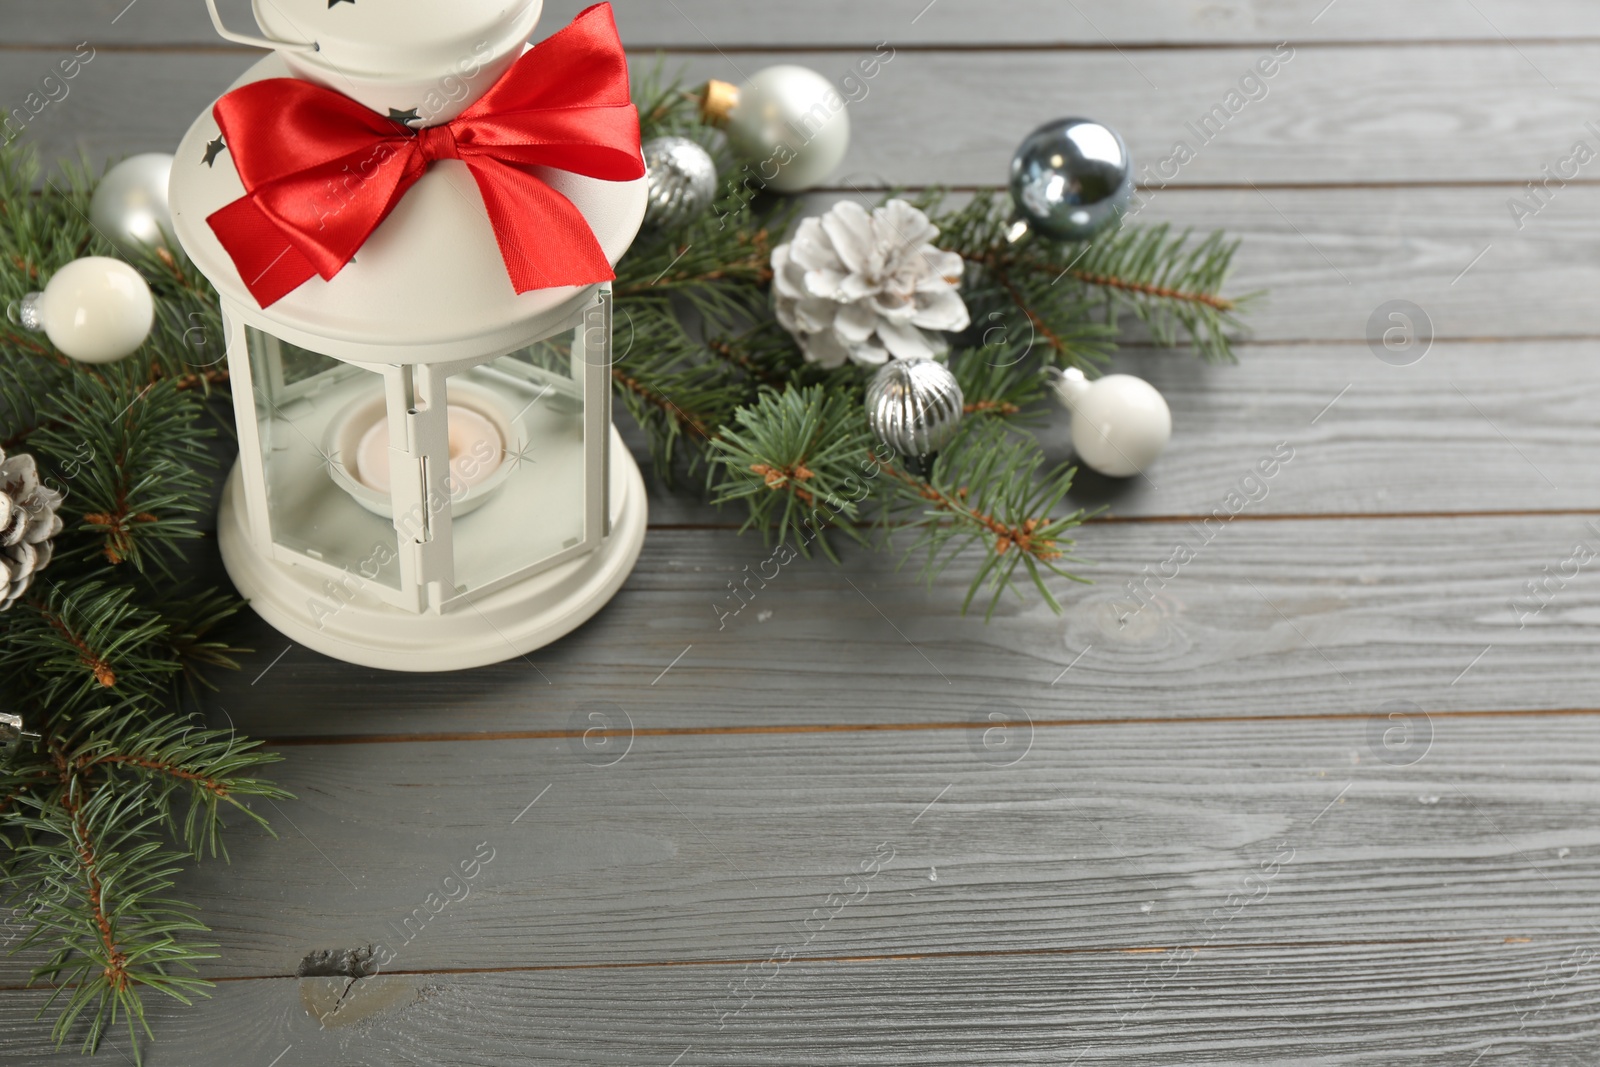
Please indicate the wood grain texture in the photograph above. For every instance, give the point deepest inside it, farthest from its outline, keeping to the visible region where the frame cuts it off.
(1329, 115)
(1324, 260)
(1439, 1005)
(1106, 897)
(703, 24)
(1469, 428)
(1289, 617)
(1415, 113)
(1004, 837)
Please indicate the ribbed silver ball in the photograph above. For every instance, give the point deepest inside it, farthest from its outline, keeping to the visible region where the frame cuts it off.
(681, 179)
(914, 406)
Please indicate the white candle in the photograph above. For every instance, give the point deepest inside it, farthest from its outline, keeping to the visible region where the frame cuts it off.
(476, 450)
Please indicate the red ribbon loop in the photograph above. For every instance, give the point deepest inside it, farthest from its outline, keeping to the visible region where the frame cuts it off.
(321, 171)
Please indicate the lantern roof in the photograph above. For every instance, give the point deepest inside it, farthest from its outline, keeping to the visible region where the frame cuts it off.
(397, 38)
(429, 285)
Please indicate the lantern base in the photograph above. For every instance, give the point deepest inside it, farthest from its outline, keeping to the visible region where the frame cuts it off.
(500, 626)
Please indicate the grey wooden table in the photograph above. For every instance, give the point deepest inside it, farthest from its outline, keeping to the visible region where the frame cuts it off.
(1330, 799)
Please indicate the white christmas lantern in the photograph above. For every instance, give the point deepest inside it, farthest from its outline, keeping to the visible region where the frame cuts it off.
(428, 477)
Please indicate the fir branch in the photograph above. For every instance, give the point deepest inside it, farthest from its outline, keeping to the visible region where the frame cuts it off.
(1002, 277)
(667, 107)
(1167, 283)
(1151, 289)
(735, 354)
(996, 383)
(139, 459)
(188, 622)
(767, 355)
(797, 459)
(674, 397)
(94, 654)
(744, 256)
(672, 291)
(662, 402)
(82, 640)
(212, 769)
(87, 657)
(1013, 307)
(215, 786)
(985, 489)
(98, 905)
(16, 786)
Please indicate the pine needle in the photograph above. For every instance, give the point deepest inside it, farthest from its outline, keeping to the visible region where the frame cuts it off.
(120, 793)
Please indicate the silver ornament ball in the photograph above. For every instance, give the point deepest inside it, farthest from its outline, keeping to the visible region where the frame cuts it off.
(13, 732)
(681, 180)
(130, 204)
(914, 406)
(1071, 178)
(787, 125)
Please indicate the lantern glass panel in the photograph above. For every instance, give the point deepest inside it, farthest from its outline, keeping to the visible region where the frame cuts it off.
(527, 506)
(298, 395)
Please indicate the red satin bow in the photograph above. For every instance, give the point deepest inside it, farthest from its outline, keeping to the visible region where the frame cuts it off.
(321, 171)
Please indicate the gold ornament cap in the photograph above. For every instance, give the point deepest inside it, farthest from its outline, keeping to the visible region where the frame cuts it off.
(717, 101)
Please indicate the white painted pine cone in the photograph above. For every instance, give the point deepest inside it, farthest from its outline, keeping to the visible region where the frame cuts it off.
(28, 520)
(868, 287)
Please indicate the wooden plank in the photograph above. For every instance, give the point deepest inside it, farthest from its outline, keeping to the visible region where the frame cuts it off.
(1269, 618)
(1432, 910)
(937, 116)
(116, 105)
(1469, 428)
(1325, 260)
(999, 838)
(695, 24)
(1434, 1004)
(957, 118)
(1457, 431)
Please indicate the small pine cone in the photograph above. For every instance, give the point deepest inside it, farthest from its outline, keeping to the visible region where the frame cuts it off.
(16, 524)
(28, 520)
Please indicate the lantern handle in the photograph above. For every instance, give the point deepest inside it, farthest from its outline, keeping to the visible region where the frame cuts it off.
(256, 42)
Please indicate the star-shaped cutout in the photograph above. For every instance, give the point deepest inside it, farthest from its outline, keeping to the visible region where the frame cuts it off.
(213, 150)
(516, 457)
(330, 461)
(404, 118)
(352, 3)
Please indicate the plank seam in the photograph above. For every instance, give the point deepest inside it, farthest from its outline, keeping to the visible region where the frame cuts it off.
(312, 740)
(1060, 950)
(1289, 516)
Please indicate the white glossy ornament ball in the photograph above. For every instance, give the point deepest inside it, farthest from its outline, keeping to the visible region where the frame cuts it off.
(95, 309)
(1120, 424)
(130, 206)
(788, 126)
